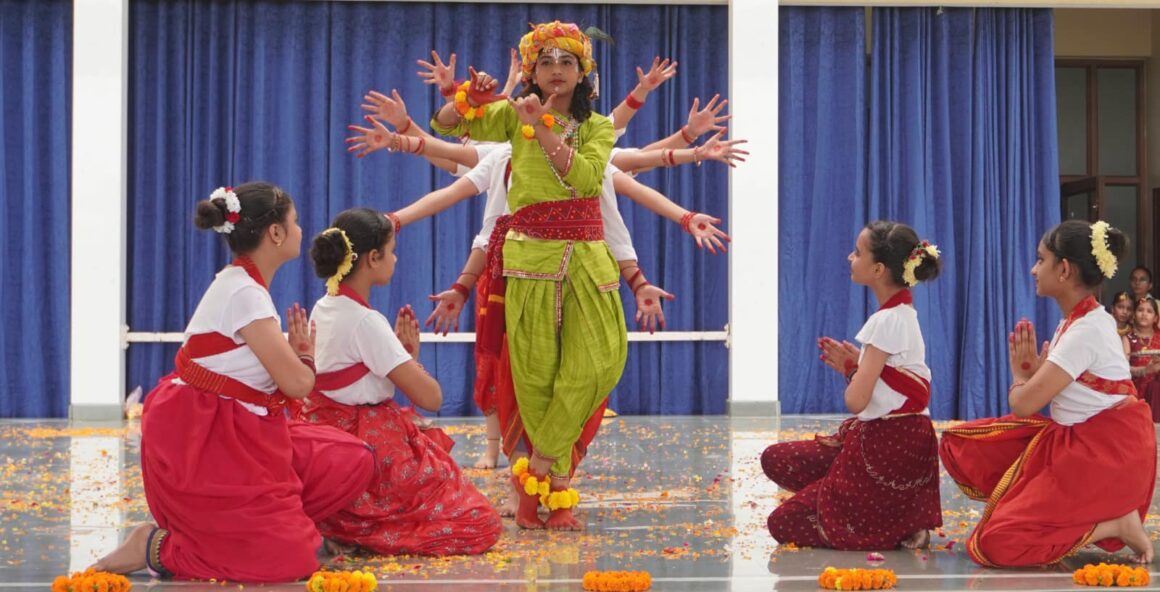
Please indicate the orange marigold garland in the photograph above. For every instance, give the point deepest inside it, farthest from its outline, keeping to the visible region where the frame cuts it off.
(833, 578)
(342, 581)
(92, 581)
(1111, 575)
(617, 581)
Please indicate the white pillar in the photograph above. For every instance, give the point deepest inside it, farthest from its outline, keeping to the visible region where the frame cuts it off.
(98, 278)
(753, 72)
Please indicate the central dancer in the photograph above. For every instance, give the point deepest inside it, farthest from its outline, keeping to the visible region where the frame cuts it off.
(558, 281)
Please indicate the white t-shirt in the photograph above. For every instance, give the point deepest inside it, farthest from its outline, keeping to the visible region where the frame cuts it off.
(349, 333)
(232, 301)
(1090, 344)
(488, 176)
(895, 331)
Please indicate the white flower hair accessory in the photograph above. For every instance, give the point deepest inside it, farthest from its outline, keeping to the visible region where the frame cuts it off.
(924, 249)
(233, 208)
(1105, 260)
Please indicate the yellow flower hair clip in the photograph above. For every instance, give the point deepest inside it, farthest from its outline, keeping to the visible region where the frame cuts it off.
(344, 267)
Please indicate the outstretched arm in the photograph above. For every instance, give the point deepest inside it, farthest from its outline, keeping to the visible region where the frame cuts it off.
(700, 122)
(699, 226)
(436, 202)
(726, 151)
(646, 83)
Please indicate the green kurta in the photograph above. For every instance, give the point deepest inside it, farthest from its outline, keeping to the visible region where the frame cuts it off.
(565, 322)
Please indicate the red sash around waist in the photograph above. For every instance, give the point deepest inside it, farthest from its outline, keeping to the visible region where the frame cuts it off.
(196, 375)
(914, 388)
(570, 219)
(340, 379)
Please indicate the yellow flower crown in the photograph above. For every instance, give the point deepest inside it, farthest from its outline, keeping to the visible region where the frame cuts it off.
(924, 249)
(1104, 257)
(344, 267)
(565, 36)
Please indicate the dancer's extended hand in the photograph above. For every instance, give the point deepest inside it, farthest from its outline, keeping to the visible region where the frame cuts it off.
(391, 109)
(300, 332)
(407, 330)
(708, 236)
(703, 121)
(649, 313)
(1025, 358)
(437, 73)
(370, 139)
(446, 313)
(726, 151)
(657, 74)
(514, 74)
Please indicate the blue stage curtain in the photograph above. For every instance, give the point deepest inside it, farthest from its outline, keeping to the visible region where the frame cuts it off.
(223, 92)
(36, 94)
(961, 144)
(821, 200)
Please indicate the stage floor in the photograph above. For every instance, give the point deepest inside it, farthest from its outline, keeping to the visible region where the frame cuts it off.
(683, 498)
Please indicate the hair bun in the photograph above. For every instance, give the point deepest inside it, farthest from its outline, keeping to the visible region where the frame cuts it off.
(210, 213)
(327, 252)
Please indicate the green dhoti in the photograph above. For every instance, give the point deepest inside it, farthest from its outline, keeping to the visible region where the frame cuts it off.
(568, 345)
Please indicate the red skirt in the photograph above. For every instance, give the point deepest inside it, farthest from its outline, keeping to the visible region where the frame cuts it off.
(1045, 484)
(878, 488)
(421, 503)
(240, 493)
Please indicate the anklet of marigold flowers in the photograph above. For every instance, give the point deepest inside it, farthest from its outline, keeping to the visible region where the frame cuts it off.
(1108, 575)
(617, 581)
(833, 578)
(349, 581)
(531, 484)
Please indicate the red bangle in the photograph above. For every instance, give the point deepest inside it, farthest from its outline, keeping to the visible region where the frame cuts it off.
(632, 102)
(404, 129)
(448, 91)
(309, 361)
(850, 374)
(639, 286)
(458, 287)
(687, 220)
(420, 146)
(685, 137)
(634, 276)
(394, 218)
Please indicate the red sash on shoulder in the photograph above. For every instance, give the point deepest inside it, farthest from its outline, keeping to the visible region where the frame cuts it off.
(570, 219)
(915, 388)
(1100, 385)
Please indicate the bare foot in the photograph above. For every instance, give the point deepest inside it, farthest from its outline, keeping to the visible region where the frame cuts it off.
(526, 507)
(507, 507)
(917, 540)
(490, 457)
(563, 519)
(1133, 535)
(130, 556)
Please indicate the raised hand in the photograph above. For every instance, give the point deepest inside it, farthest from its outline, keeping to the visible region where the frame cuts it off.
(407, 330)
(370, 139)
(529, 109)
(446, 313)
(657, 74)
(437, 73)
(1025, 358)
(300, 332)
(702, 121)
(726, 151)
(708, 236)
(515, 73)
(391, 109)
(648, 307)
(482, 83)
